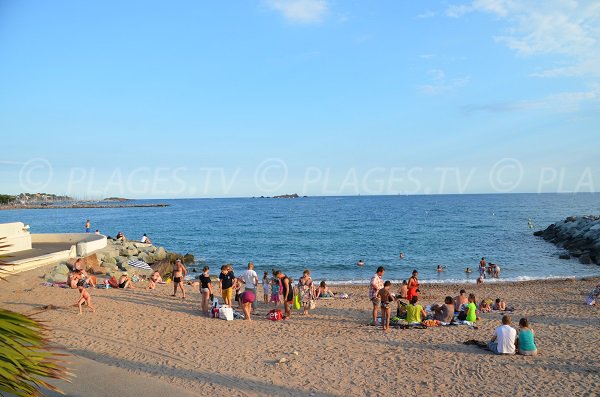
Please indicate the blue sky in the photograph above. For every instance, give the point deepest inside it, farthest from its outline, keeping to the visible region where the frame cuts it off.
(261, 97)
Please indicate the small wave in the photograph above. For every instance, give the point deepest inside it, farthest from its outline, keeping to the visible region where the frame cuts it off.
(470, 281)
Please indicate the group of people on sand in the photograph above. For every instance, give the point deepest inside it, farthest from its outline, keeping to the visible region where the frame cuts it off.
(460, 309)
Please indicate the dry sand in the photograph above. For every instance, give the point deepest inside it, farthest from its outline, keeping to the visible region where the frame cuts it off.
(151, 335)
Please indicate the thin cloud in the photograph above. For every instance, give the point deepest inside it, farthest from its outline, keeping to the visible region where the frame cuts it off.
(553, 27)
(300, 11)
(426, 15)
(439, 84)
(566, 102)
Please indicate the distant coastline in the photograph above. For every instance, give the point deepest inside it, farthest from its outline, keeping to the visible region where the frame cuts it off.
(44, 206)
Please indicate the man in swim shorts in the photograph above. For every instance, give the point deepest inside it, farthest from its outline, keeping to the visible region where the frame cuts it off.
(179, 273)
(374, 286)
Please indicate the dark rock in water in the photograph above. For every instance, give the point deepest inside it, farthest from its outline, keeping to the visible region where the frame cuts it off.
(188, 259)
(576, 253)
(580, 235)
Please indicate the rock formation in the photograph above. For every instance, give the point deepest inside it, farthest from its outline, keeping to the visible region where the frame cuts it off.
(579, 235)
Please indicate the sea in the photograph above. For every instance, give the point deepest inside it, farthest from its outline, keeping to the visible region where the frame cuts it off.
(328, 235)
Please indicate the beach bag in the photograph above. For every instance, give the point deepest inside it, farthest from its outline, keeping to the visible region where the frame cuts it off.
(113, 282)
(215, 312)
(226, 313)
(312, 305)
(275, 315)
(297, 305)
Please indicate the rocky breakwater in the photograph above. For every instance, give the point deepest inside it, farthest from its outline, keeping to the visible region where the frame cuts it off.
(114, 259)
(579, 235)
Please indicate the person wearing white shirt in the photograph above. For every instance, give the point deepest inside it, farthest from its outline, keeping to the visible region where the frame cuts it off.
(250, 280)
(145, 239)
(503, 341)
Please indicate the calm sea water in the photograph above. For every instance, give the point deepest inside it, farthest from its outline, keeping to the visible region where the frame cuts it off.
(329, 234)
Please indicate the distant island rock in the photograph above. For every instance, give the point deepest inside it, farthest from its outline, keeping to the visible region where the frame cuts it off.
(579, 235)
(284, 196)
(116, 199)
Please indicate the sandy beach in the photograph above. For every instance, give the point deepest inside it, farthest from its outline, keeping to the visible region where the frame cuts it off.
(151, 335)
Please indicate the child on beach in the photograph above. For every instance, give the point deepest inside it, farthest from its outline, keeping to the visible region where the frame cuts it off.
(266, 284)
(275, 290)
(385, 296)
(485, 306)
(84, 297)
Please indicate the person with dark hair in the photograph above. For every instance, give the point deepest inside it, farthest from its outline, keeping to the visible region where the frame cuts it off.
(471, 309)
(287, 292)
(482, 266)
(205, 289)
(503, 341)
(460, 300)
(374, 286)
(385, 297)
(179, 272)
(444, 313)
(526, 338)
(413, 285)
(414, 312)
(226, 281)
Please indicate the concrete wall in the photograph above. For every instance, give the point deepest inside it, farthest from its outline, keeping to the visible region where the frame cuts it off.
(85, 242)
(16, 236)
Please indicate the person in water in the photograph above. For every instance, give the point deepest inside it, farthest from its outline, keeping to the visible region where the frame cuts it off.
(360, 263)
(440, 269)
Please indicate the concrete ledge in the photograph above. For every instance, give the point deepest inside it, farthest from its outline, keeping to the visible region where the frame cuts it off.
(85, 243)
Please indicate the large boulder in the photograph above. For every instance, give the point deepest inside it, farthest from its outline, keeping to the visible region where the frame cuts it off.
(58, 274)
(146, 257)
(160, 254)
(585, 259)
(108, 260)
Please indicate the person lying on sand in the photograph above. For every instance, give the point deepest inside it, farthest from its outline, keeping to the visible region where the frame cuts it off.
(323, 291)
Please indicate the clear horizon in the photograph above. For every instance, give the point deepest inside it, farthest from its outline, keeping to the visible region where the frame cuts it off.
(315, 97)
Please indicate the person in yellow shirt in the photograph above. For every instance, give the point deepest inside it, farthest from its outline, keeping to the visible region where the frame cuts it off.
(415, 313)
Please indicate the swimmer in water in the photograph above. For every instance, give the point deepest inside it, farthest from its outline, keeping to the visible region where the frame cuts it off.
(468, 270)
(360, 263)
(440, 269)
(401, 255)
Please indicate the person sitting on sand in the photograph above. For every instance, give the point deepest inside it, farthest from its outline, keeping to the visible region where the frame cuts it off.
(403, 293)
(87, 279)
(526, 338)
(414, 312)
(386, 298)
(460, 300)
(125, 281)
(503, 341)
(591, 299)
(84, 297)
(120, 236)
(155, 278)
(145, 239)
(179, 273)
(485, 306)
(469, 313)
(444, 313)
(499, 304)
(323, 291)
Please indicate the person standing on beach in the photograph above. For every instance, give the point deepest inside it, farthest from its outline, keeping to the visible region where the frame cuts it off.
(306, 289)
(482, 265)
(374, 286)
(288, 293)
(413, 285)
(250, 280)
(88, 226)
(179, 273)
(226, 280)
(205, 289)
